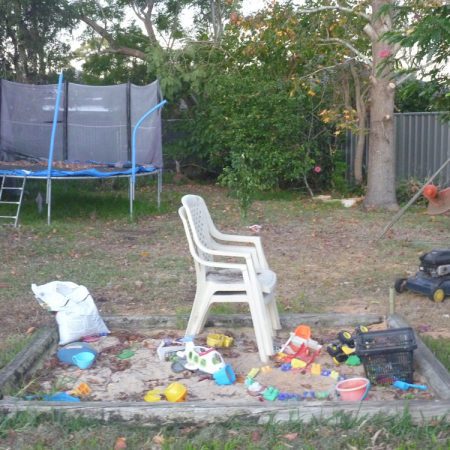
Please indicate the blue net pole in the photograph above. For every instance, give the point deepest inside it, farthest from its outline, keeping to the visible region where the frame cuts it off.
(133, 149)
(55, 124)
(133, 140)
(52, 147)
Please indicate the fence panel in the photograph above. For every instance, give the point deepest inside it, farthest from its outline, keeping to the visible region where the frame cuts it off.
(422, 145)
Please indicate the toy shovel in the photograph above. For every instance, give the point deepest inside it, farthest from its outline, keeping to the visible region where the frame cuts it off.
(405, 386)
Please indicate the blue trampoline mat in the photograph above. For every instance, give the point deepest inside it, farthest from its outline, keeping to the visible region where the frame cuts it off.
(59, 173)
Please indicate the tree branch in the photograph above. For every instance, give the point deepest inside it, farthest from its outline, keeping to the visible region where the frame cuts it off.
(113, 46)
(335, 8)
(127, 51)
(363, 57)
(347, 61)
(147, 20)
(373, 35)
(137, 12)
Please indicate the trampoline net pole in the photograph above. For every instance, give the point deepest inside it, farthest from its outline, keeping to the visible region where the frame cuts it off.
(52, 147)
(133, 148)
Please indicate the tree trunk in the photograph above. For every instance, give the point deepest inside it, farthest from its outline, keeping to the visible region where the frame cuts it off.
(381, 170)
(361, 136)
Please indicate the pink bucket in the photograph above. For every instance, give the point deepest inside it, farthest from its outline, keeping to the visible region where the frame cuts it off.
(353, 389)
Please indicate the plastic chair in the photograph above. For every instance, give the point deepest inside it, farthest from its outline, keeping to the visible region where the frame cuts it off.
(229, 269)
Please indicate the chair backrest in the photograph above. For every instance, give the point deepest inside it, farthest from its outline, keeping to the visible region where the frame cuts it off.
(192, 247)
(200, 222)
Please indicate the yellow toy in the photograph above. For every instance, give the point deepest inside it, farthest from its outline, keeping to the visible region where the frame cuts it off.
(298, 363)
(253, 372)
(176, 392)
(219, 340)
(153, 396)
(315, 369)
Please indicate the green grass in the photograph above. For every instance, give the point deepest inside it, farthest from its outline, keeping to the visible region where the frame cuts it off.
(92, 241)
(11, 346)
(342, 431)
(440, 347)
(88, 199)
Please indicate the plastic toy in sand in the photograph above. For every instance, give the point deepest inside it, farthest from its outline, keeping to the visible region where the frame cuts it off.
(153, 396)
(176, 392)
(83, 360)
(256, 389)
(65, 354)
(225, 376)
(300, 346)
(126, 353)
(404, 386)
(353, 389)
(206, 359)
(342, 350)
(61, 397)
(82, 390)
(219, 340)
(168, 348)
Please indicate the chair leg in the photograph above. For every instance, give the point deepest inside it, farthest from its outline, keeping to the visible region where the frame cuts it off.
(274, 315)
(199, 313)
(262, 332)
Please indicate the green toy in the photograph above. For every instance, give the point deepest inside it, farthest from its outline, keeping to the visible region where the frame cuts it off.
(271, 393)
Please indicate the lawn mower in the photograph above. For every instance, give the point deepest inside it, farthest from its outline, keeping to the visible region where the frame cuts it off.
(433, 277)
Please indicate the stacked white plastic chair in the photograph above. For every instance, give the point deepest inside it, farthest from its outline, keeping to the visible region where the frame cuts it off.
(229, 268)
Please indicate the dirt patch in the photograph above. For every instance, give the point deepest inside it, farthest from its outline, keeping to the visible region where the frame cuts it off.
(114, 379)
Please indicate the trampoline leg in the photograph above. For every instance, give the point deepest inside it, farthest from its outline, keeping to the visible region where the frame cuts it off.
(159, 187)
(49, 201)
(131, 195)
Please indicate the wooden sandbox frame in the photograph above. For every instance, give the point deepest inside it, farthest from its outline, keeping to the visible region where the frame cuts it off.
(156, 414)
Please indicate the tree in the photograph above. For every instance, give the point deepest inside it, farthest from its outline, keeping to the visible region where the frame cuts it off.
(155, 38)
(417, 96)
(387, 25)
(429, 35)
(257, 120)
(30, 39)
(376, 20)
(381, 187)
(110, 68)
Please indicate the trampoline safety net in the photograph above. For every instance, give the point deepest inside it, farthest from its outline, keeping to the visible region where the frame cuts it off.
(94, 122)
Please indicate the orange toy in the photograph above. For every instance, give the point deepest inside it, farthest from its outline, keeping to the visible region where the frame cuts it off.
(82, 390)
(303, 331)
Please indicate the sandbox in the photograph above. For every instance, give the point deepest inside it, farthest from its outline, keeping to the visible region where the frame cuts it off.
(119, 385)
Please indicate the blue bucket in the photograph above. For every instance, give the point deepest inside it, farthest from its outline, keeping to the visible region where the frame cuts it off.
(83, 360)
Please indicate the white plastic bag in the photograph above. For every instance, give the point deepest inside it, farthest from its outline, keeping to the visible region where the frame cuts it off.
(76, 313)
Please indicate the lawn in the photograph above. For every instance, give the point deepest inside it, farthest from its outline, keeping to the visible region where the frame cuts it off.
(327, 259)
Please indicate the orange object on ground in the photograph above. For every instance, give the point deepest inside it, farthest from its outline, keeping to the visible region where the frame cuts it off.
(303, 331)
(438, 200)
(82, 390)
(430, 191)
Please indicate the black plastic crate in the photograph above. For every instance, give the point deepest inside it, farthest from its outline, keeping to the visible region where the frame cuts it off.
(387, 355)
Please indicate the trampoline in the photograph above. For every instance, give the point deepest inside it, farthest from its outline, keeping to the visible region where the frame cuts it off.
(79, 132)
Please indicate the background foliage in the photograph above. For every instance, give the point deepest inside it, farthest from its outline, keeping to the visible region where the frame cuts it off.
(261, 101)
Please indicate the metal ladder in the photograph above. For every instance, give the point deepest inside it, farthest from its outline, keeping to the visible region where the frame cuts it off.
(15, 189)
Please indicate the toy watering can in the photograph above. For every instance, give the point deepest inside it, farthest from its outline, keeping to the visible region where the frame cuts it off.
(405, 386)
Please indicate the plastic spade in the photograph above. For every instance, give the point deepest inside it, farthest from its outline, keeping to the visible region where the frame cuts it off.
(405, 386)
